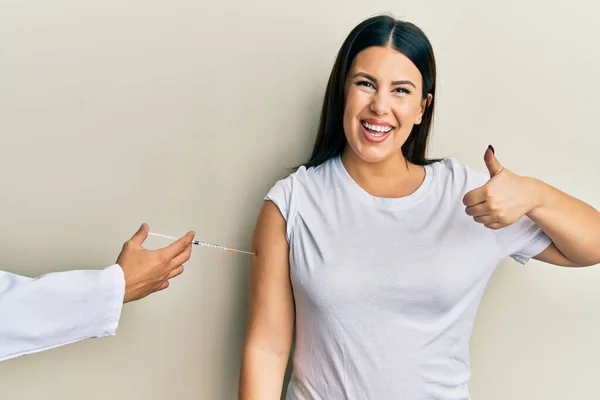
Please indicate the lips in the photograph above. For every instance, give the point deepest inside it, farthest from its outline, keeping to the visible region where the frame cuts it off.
(376, 131)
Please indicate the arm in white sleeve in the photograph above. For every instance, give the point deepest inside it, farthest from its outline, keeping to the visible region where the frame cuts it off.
(55, 309)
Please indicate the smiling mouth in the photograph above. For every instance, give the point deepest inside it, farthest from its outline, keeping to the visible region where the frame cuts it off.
(377, 130)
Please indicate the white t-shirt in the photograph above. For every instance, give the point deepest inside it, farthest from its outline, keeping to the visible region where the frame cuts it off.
(386, 290)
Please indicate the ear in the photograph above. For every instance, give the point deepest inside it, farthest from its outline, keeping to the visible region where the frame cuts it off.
(424, 104)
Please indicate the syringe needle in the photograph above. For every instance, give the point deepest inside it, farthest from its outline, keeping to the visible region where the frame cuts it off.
(204, 244)
(216, 246)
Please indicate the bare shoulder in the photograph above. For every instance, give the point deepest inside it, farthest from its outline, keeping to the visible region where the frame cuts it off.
(269, 232)
(269, 244)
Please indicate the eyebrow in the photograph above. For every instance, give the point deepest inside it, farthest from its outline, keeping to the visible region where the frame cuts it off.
(394, 83)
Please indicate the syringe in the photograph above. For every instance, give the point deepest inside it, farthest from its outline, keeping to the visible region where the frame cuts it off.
(201, 243)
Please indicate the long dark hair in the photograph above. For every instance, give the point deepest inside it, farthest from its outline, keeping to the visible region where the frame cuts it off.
(382, 30)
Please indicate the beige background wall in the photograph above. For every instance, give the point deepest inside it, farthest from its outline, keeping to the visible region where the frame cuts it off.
(183, 114)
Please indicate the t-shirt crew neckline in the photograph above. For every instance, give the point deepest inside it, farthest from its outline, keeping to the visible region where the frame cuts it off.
(385, 202)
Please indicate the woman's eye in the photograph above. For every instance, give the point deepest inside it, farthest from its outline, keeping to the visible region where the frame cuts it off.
(365, 84)
(402, 90)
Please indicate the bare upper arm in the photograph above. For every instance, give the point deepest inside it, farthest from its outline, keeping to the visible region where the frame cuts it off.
(552, 255)
(271, 303)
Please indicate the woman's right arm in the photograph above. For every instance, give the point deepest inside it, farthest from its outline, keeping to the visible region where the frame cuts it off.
(271, 310)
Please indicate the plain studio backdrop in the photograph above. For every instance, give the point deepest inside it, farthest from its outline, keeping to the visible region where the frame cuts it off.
(183, 114)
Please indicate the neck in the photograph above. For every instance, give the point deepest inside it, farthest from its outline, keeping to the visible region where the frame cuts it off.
(392, 177)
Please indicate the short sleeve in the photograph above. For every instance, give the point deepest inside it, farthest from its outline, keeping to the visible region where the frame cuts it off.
(281, 194)
(522, 240)
(284, 194)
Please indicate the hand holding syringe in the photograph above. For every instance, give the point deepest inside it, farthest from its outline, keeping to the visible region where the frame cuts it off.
(201, 243)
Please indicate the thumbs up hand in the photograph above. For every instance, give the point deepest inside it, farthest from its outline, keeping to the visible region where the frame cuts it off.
(504, 199)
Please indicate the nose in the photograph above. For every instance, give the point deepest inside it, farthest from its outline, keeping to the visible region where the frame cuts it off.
(379, 104)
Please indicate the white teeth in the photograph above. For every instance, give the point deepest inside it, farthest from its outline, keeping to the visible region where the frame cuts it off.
(377, 128)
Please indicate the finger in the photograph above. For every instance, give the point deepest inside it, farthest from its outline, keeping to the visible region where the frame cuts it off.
(494, 225)
(478, 210)
(474, 197)
(179, 246)
(493, 165)
(182, 257)
(484, 219)
(140, 236)
(175, 272)
(163, 286)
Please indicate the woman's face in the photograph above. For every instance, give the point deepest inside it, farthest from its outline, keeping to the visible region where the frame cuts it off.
(383, 102)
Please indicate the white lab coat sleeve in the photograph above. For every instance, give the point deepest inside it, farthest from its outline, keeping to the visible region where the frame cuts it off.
(59, 308)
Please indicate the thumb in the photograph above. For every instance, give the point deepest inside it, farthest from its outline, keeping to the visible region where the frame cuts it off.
(493, 165)
(140, 235)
